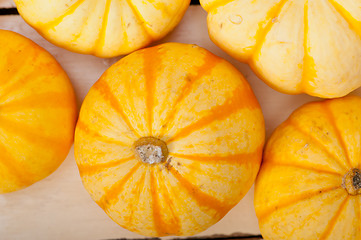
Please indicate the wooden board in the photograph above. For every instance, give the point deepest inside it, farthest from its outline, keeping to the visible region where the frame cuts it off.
(59, 208)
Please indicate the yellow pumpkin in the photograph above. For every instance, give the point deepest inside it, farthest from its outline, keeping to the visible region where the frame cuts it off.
(102, 28)
(37, 113)
(301, 46)
(169, 139)
(309, 184)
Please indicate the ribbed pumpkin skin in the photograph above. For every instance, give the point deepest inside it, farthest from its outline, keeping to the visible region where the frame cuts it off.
(299, 193)
(38, 113)
(295, 46)
(103, 28)
(206, 113)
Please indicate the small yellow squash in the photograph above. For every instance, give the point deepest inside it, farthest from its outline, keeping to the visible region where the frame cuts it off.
(309, 186)
(169, 139)
(37, 113)
(105, 28)
(295, 46)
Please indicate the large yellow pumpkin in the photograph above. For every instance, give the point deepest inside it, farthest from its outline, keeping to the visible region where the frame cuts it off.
(37, 113)
(169, 139)
(309, 185)
(104, 28)
(298, 46)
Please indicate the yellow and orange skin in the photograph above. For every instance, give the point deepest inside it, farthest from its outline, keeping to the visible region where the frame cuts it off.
(38, 113)
(304, 190)
(205, 112)
(295, 46)
(102, 28)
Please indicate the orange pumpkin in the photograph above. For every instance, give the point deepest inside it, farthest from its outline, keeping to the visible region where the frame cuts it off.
(303, 46)
(169, 139)
(38, 113)
(309, 185)
(102, 28)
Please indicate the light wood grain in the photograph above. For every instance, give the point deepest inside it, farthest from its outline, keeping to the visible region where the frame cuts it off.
(7, 4)
(59, 208)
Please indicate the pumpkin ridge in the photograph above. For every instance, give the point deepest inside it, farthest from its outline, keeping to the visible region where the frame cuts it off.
(337, 161)
(331, 224)
(308, 71)
(101, 37)
(43, 100)
(240, 99)
(265, 213)
(353, 23)
(21, 80)
(94, 134)
(94, 168)
(210, 61)
(175, 223)
(138, 190)
(160, 225)
(23, 177)
(25, 132)
(85, 23)
(112, 192)
(203, 199)
(230, 159)
(67, 12)
(315, 169)
(358, 211)
(218, 3)
(359, 160)
(140, 19)
(125, 34)
(262, 32)
(103, 88)
(341, 141)
(151, 61)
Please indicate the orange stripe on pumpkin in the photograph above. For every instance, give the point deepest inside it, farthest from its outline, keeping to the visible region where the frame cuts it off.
(137, 191)
(217, 3)
(331, 224)
(103, 88)
(316, 169)
(59, 19)
(173, 227)
(241, 98)
(140, 19)
(291, 200)
(101, 38)
(95, 168)
(203, 200)
(152, 62)
(112, 193)
(309, 72)
(162, 227)
(15, 168)
(23, 77)
(95, 134)
(209, 62)
(159, 223)
(34, 136)
(357, 212)
(239, 158)
(52, 100)
(337, 162)
(263, 31)
(353, 23)
(330, 116)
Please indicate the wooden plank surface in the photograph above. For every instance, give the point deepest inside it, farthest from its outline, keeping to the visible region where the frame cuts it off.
(59, 208)
(7, 4)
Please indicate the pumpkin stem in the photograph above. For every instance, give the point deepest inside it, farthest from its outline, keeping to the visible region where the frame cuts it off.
(150, 150)
(351, 181)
